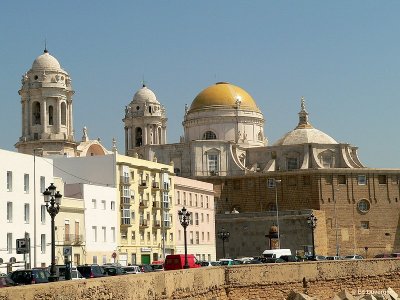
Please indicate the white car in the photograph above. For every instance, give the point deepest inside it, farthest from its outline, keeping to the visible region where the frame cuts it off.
(76, 275)
(132, 270)
(355, 256)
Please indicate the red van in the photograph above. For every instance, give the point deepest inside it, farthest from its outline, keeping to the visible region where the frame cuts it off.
(177, 261)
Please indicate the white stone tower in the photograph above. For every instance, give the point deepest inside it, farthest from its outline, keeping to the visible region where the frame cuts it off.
(145, 121)
(46, 99)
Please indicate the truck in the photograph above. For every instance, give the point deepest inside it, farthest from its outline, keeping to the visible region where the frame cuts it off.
(276, 253)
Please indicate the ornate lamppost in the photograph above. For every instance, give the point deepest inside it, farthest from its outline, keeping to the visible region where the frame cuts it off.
(312, 222)
(53, 201)
(184, 219)
(224, 236)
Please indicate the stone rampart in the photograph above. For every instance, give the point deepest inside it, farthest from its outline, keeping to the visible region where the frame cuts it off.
(321, 280)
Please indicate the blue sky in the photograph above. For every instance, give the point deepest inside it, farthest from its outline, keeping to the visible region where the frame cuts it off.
(342, 56)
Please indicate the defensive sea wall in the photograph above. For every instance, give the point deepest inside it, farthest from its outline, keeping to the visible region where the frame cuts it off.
(321, 280)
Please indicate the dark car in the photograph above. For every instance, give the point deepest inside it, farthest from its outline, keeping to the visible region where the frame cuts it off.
(114, 270)
(91, 271)
(289, 258)
(6, 282)
(30, 276)
(146, 268)
(273, 260)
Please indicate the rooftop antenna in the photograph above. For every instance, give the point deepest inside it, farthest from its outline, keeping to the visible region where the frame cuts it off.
(45, 46)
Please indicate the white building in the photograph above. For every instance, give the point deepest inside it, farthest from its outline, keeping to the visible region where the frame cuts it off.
(198, 198)
(93, 180)
(22, 207)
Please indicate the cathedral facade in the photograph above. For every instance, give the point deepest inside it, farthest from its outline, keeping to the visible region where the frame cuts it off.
(224, 143)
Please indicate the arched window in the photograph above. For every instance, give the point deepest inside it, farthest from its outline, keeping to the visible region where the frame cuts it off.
(63, 114)
(138, 137)
(36, 113)
(209, 135)
(260, 136)
(159, 135)
(51, 113)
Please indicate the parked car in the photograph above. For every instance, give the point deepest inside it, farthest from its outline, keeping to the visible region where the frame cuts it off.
(75, 274)
(273, 260)
(316, 258)
(333, 258)
(6, 281)
(132, 270)
(114, 270)
(289, 258)
(229, 262)
(30, 276)
(157, 267)
(146, 268)
(395, 255)
(353, 257)
(177, 261)
(210, 263)
(91, 271)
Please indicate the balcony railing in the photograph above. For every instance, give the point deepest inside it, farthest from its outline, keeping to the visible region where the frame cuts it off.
(125, 200)
(155, 185)
(156, 205)
(124, 180)
(143, 184)
(144, 204)
(167, 224)
(157, 223)
(126, 222)
(73, 239)
(143, 223)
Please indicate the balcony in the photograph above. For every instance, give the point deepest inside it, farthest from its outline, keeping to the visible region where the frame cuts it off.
(167, 224)
(125, 201)
(157, 224)
(156, 205)
(155, 185)
(166, 205)
(125, 222)
(144, 204)
(73, 239)
(124, 180)
(143, 184)
(143, 224)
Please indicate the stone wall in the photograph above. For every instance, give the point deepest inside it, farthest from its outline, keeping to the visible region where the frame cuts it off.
(267, 281)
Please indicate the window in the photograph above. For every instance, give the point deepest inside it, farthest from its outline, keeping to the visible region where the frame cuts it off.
(112, 205)
(63, 114)
(184, 198)
(197, 238)
(362, 180)
(292, 163)
(341, 179)
(104, 234)
(327, 161)
(202, 236)
(104, 259)
(95, 259)
(51, 115)
(42, 184)
(9, 212)
(9, 242)
(195, 200)
(190, 199)
(328, 179)
(209, 135)
(207, 202)
(171, 237)
(142, 235)
(191, 238)
(208, 218)
(213, 164)
(202, 218)
(179, 235)
(208, 236)
(271, 183)
(26, 213)
(382, 179)
(365, 224)
(43, 214)
(148, 236)
(113, 234)
(196, 218)
(43, 243)
(103, 204)
(94, 205)
(201, 201)
(363, 205)
(9, 181)
(94, 233)
(26, 183)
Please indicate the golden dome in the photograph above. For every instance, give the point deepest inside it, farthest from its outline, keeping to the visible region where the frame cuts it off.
(223, 94)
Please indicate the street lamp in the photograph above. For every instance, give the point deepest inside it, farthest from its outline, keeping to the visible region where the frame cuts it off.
(184, 219)
(53, 201)
(224, 236)
(312, 222)
(277, 211)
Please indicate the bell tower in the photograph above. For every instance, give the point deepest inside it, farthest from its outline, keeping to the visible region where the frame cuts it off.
(46, 99)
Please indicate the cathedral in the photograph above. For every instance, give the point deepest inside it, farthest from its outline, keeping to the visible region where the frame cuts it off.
(304, 171)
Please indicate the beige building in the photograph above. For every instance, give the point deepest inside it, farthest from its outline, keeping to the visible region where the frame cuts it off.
(198, 198)
(70, 224)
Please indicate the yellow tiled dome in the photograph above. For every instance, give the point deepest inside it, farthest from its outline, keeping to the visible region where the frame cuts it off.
(223, 94)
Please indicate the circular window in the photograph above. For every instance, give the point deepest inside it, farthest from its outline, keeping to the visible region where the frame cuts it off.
(36, 77)
(137, 107)
(363, 205)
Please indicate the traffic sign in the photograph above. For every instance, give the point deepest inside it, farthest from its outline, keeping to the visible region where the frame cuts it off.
(67, 250)
(22, 246)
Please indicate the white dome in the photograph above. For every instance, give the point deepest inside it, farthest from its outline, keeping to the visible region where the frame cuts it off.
(143, 95)
(305, 136)
(46, 62)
